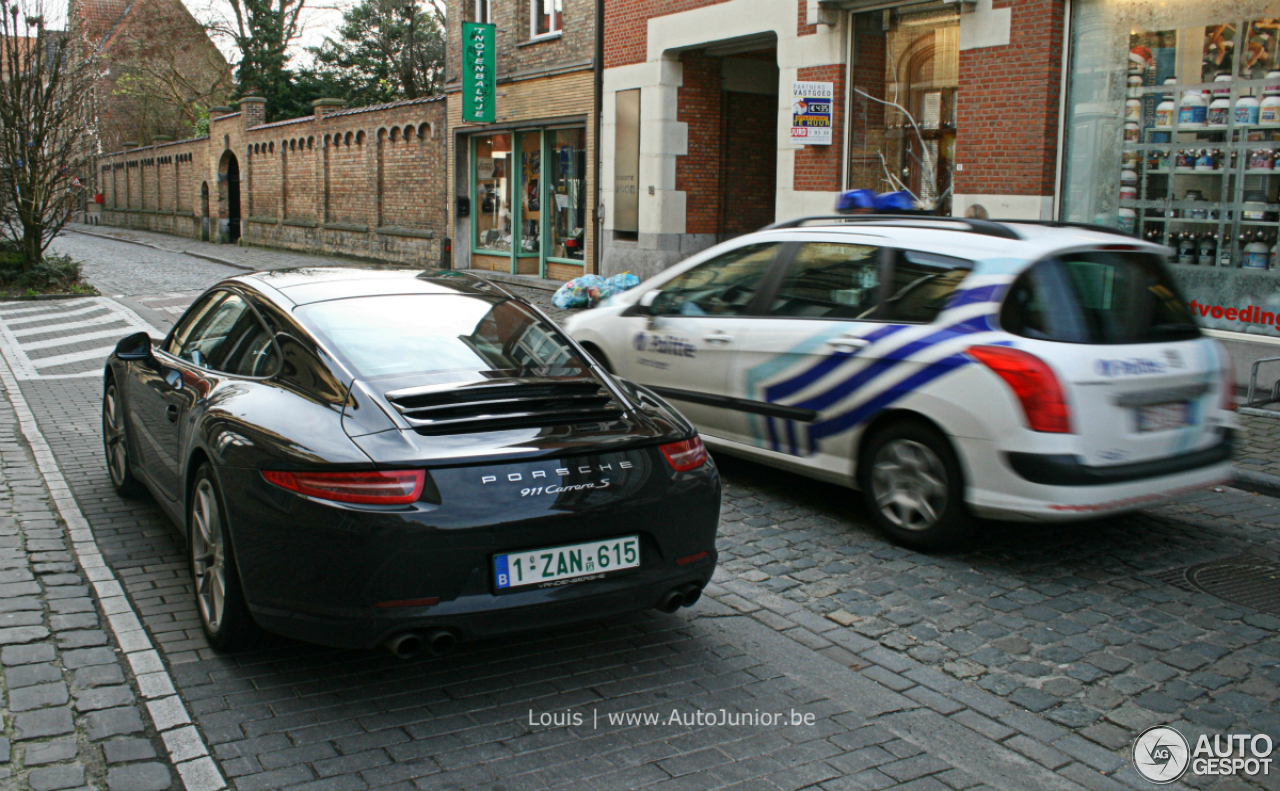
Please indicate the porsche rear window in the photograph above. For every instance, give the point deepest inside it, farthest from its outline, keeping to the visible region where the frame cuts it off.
(403, 334)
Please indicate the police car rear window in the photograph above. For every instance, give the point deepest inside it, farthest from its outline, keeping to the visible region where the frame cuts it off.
(1099, 297)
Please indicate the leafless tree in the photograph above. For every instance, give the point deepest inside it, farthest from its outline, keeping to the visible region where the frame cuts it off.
(167, 76)
(44, 151)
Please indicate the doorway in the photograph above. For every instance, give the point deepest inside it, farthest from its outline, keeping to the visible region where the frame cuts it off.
(229, 176)
(729, 100)
(204, 212)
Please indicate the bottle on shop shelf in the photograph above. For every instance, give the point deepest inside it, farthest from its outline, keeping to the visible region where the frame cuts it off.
(1166, 109)
(1128, 220)
(1128, 177)
(1256, 253)
(1247, 110)
(1194, 212)
(1133, 109)
(1275, 253)
(1188, 248)
(1220, 108)
(1208, 250)
(1193, 111)
(1269, 107)
(1224, 251)
(1206, 160)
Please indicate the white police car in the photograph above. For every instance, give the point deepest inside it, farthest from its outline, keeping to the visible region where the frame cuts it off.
(946, 367)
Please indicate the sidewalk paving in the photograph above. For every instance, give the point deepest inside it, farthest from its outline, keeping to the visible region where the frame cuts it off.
(73, 716)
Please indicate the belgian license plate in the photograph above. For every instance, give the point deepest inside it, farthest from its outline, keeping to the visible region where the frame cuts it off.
(1161, 417)
(541, 567)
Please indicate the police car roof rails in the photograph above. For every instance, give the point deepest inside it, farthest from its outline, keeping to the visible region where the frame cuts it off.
(985, 227)
(1084, 226)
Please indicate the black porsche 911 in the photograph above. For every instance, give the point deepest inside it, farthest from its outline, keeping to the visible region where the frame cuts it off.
(359, 457)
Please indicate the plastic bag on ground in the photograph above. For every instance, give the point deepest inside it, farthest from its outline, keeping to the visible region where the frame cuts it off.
(580, 292)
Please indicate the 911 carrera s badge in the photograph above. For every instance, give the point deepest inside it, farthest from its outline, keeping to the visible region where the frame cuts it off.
(559, 472)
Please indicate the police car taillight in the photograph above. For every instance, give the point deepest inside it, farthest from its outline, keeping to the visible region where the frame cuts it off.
(1228, 388)
(1033, 382)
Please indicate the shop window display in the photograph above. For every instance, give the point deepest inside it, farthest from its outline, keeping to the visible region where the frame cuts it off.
(493, 193)
(903, 116)
(1173, 134)
(567, 171)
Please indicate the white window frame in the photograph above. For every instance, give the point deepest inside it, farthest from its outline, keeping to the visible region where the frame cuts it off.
(484, 11)
(557, 19)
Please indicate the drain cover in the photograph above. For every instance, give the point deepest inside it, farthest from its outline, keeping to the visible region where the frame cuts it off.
(1245, 580)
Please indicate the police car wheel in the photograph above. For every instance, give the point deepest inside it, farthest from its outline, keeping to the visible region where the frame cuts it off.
(912, 482)
(598, 356)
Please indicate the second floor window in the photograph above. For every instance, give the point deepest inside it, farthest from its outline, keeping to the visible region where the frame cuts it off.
(482, 11)
(546, 16)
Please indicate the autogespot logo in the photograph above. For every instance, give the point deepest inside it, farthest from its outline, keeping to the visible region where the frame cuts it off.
(1161, 755)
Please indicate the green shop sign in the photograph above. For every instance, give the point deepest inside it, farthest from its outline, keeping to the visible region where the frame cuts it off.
(478, 72)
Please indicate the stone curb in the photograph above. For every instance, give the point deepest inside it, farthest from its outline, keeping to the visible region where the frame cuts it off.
(539, 283)
(188, 753)
(1257, 482)
(49, 297)
(214, 259)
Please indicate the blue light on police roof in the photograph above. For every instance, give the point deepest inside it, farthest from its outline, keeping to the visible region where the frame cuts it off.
(866, 201)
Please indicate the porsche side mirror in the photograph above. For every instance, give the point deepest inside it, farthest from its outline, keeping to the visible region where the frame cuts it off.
(135, 347)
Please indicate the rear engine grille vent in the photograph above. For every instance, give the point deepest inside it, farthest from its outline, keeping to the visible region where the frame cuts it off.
(469, 410)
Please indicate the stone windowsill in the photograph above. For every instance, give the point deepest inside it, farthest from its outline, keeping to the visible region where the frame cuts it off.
(345, 226)
(542, 39)
(301, 223)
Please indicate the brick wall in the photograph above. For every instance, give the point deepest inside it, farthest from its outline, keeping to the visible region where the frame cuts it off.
(517, 54)
(698, 173)
(309, 184)
(818, 168)
(1007, 109)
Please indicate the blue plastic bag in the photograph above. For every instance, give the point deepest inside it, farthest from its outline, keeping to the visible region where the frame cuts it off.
(580, 292)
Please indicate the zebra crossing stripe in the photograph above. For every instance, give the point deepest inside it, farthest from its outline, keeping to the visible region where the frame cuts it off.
(106, 318)
(6, 313)
(53, 314)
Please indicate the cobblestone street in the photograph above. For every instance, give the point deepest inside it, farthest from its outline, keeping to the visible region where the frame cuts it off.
(1029, 661)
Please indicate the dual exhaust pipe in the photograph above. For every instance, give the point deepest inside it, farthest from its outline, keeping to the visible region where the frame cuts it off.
(441, 642)
(684, 596)
(407, 645)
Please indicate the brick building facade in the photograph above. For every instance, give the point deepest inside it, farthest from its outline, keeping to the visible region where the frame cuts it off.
(958, 104)
(160, 70)
(367, 181)
(523, 186)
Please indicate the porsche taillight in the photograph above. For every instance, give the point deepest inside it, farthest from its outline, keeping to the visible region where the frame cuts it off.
(365, 488)
(685, 455)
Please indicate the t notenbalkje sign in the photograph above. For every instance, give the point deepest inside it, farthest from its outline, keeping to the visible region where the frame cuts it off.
(811, 104)
(479, 75)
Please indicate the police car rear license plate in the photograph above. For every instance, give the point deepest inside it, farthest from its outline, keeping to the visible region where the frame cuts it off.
(1162, 417)
(547, 567)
